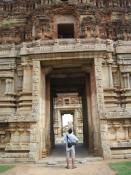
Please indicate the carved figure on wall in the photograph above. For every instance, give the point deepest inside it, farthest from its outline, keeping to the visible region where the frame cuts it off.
(9, 86)
(2, 87)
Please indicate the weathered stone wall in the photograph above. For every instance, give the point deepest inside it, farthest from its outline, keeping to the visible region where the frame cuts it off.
(23, 94)
(117, 96)
(30, 20)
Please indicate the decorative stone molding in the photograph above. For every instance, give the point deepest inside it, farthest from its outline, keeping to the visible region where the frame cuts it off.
(102, 124)
(99, 86)
(36, 90)
(9, 86)
(16, 118)
(49, 46)
(117, 115)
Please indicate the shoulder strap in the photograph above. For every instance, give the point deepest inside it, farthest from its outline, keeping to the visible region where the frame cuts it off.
(68, 138)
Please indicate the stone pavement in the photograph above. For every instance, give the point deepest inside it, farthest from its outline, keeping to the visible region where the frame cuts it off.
(90, 168)
(55, 164)
(57, 156)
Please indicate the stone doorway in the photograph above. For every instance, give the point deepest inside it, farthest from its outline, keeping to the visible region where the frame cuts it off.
(68, 97)
(67, 80)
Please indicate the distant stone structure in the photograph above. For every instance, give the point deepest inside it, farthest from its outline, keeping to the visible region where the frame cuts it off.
(51, 50)
(69, 103)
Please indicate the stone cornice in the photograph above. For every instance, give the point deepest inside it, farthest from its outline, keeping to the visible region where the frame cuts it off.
(56, 46)
(64, 46)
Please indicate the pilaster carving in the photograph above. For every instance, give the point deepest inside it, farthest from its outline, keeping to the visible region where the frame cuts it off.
(20, 137)
(119, 132)
(126, 83)
(2, 87)
(99, 86)
(35, 135)
(25, 99)
(110, 73)
(27, 77)
(36, 89)
(9, 86)
(102, 125)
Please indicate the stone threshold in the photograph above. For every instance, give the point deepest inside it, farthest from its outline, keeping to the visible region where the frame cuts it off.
(62, 161)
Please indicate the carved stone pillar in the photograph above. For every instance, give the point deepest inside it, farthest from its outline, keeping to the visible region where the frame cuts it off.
(48, 117)
(36, 89)
(109, 62)
(55, 121)
(27, 77)
(59, 124)
(126, 81)
(43, 114)
(90, 96)
(25, 100)
(35, 130)
(75, 120)
(126, 127)
(110, 75)
(101, 140)
(7, 92)
(9, 86)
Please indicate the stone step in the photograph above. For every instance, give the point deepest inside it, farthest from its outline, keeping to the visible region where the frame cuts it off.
(53, 161)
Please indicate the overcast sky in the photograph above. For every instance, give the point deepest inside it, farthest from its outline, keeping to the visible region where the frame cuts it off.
(66, 118)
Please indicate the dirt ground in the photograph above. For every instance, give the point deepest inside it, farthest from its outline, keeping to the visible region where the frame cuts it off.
(90, 168)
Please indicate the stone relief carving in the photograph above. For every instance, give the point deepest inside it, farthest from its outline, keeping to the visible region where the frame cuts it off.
(9, 86)
(2, 87)
(36, 88)
(4, 136)
(119, 133)
(20, 137)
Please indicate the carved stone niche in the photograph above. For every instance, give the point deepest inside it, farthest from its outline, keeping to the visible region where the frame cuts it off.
(2, 87)
(20, 137)
(9, 86)
(7, 99)
(4, 136)
(119, 133)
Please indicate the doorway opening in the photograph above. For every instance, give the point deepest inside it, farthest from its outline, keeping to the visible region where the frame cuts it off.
(67, 122)
(65, 30)
(69, 109)
(62, 124)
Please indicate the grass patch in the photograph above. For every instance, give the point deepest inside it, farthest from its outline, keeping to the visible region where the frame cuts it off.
(4, 168)
(122, 168)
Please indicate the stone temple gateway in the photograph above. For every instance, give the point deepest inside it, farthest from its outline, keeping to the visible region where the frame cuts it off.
(58, 57)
